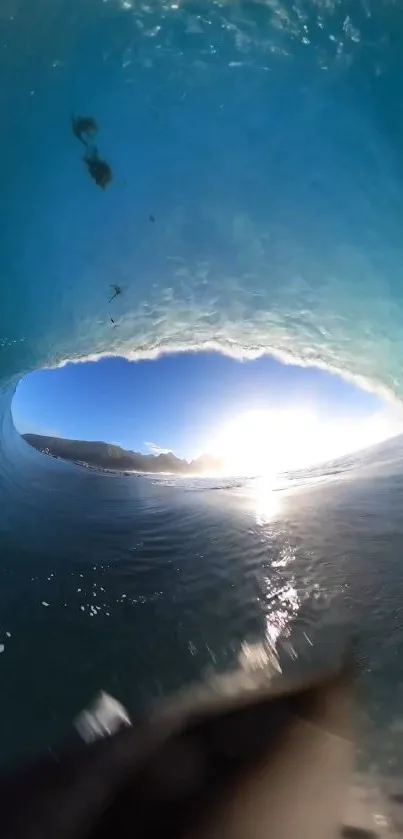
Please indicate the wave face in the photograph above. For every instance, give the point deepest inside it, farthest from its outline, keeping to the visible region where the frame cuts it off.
(266, 141)
(256, 206)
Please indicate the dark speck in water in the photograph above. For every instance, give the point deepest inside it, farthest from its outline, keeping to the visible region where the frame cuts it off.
(151, 218)
(99, 170)
(117, 289)
(84, 128)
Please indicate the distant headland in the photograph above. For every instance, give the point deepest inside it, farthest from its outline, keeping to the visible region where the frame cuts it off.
(108, 456)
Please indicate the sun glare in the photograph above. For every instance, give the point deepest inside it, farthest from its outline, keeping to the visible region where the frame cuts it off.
(268, 442)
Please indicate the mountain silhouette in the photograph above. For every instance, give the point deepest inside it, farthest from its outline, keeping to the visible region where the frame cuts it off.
(108, 456)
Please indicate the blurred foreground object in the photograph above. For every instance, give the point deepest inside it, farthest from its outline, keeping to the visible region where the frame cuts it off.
(236, 762)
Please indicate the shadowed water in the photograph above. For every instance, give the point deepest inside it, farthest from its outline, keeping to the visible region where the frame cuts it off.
(165, 581)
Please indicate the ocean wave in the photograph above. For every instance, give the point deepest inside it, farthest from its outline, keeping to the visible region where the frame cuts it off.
(268, 153)
(266, 141)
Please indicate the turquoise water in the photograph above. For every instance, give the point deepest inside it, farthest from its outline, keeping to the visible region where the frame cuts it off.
(266, 141)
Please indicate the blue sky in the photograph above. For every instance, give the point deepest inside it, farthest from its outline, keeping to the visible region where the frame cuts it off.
(176, 402)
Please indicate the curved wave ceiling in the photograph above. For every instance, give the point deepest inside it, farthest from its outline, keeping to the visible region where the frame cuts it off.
(256, 201)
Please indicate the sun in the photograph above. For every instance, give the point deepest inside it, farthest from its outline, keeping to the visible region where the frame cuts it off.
(267, 441)
(270, 441)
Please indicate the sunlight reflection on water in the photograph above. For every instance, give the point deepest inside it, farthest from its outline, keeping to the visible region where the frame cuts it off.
(279, 620)
(268, 506)
(267, 500)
